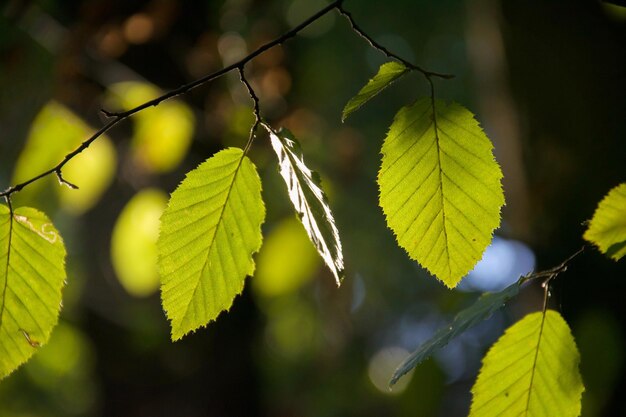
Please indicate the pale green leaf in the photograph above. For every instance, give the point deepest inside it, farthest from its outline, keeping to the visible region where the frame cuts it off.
(309, 200)
(133, 242)
(440, 187)
(387, 74)
(55, 132)
(482, 309)
(286, 261)
(532, 370)
(209, 231)
(162, 135)
(32, 274)
(607, 229)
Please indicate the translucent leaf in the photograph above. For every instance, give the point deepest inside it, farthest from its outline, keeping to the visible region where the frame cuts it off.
(209, 231)
(607, 229)
(309, 200)
(286, 261)
(440, 188)
(532, 370)
(387, 74)
(482, 309)
(32, 273)
(162, 134)
(133, 242)
(55, 132)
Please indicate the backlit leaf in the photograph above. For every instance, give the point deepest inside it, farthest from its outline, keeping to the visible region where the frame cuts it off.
(387, 74)
(309, 200)
(209, 231)
(607, 229)
(440, 187)
(32, 273)
(532, 370)
(482, 309)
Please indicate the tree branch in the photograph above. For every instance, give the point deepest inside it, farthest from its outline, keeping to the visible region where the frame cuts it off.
(116, 117)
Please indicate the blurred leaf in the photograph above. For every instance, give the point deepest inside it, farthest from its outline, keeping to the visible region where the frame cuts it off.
(532, 370)
(209, 231)
(607, 229)
(55, 132)
(31, 278)
(482, 309)
(133, 243)
(162, 134)
(387, 74)
(309, 200)
(440, 187)
(286, 261)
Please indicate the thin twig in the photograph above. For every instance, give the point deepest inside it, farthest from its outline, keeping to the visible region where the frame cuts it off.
(257, 110)
(116, 117)
(549, 275)
(384, 50)
(63, 181)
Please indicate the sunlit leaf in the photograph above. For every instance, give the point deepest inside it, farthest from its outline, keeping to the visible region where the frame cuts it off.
(162, 134)
(482, 309)
(532, 370)
(55, 132)
(309, 200)
(387, 74)
(440, 187)
(32, 274)
(286, 261)
(607, 229)
(133, 243)
(209, 231)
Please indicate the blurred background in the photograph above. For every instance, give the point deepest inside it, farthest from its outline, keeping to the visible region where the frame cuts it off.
(545, 79)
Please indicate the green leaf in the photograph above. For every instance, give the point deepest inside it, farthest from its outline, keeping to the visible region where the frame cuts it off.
(532, 370)
(607, 229)
(309, 200)
(209, 231)
(440, 187)
(483, 308)
(387, 74)
(32, 274)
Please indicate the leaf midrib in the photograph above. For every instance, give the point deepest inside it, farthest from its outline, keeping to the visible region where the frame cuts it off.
(211, 244)
(6, 267)
(534, 365)
(443, 205)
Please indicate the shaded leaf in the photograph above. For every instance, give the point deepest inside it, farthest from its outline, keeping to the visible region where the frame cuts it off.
(387, 74)
(32, 274)
(532, 370)
(209, 231)
(607, 229)
(440, 187)
(482, 309)
(309, 200)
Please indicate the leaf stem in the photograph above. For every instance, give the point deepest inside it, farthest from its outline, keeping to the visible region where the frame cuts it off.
(356, 28)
